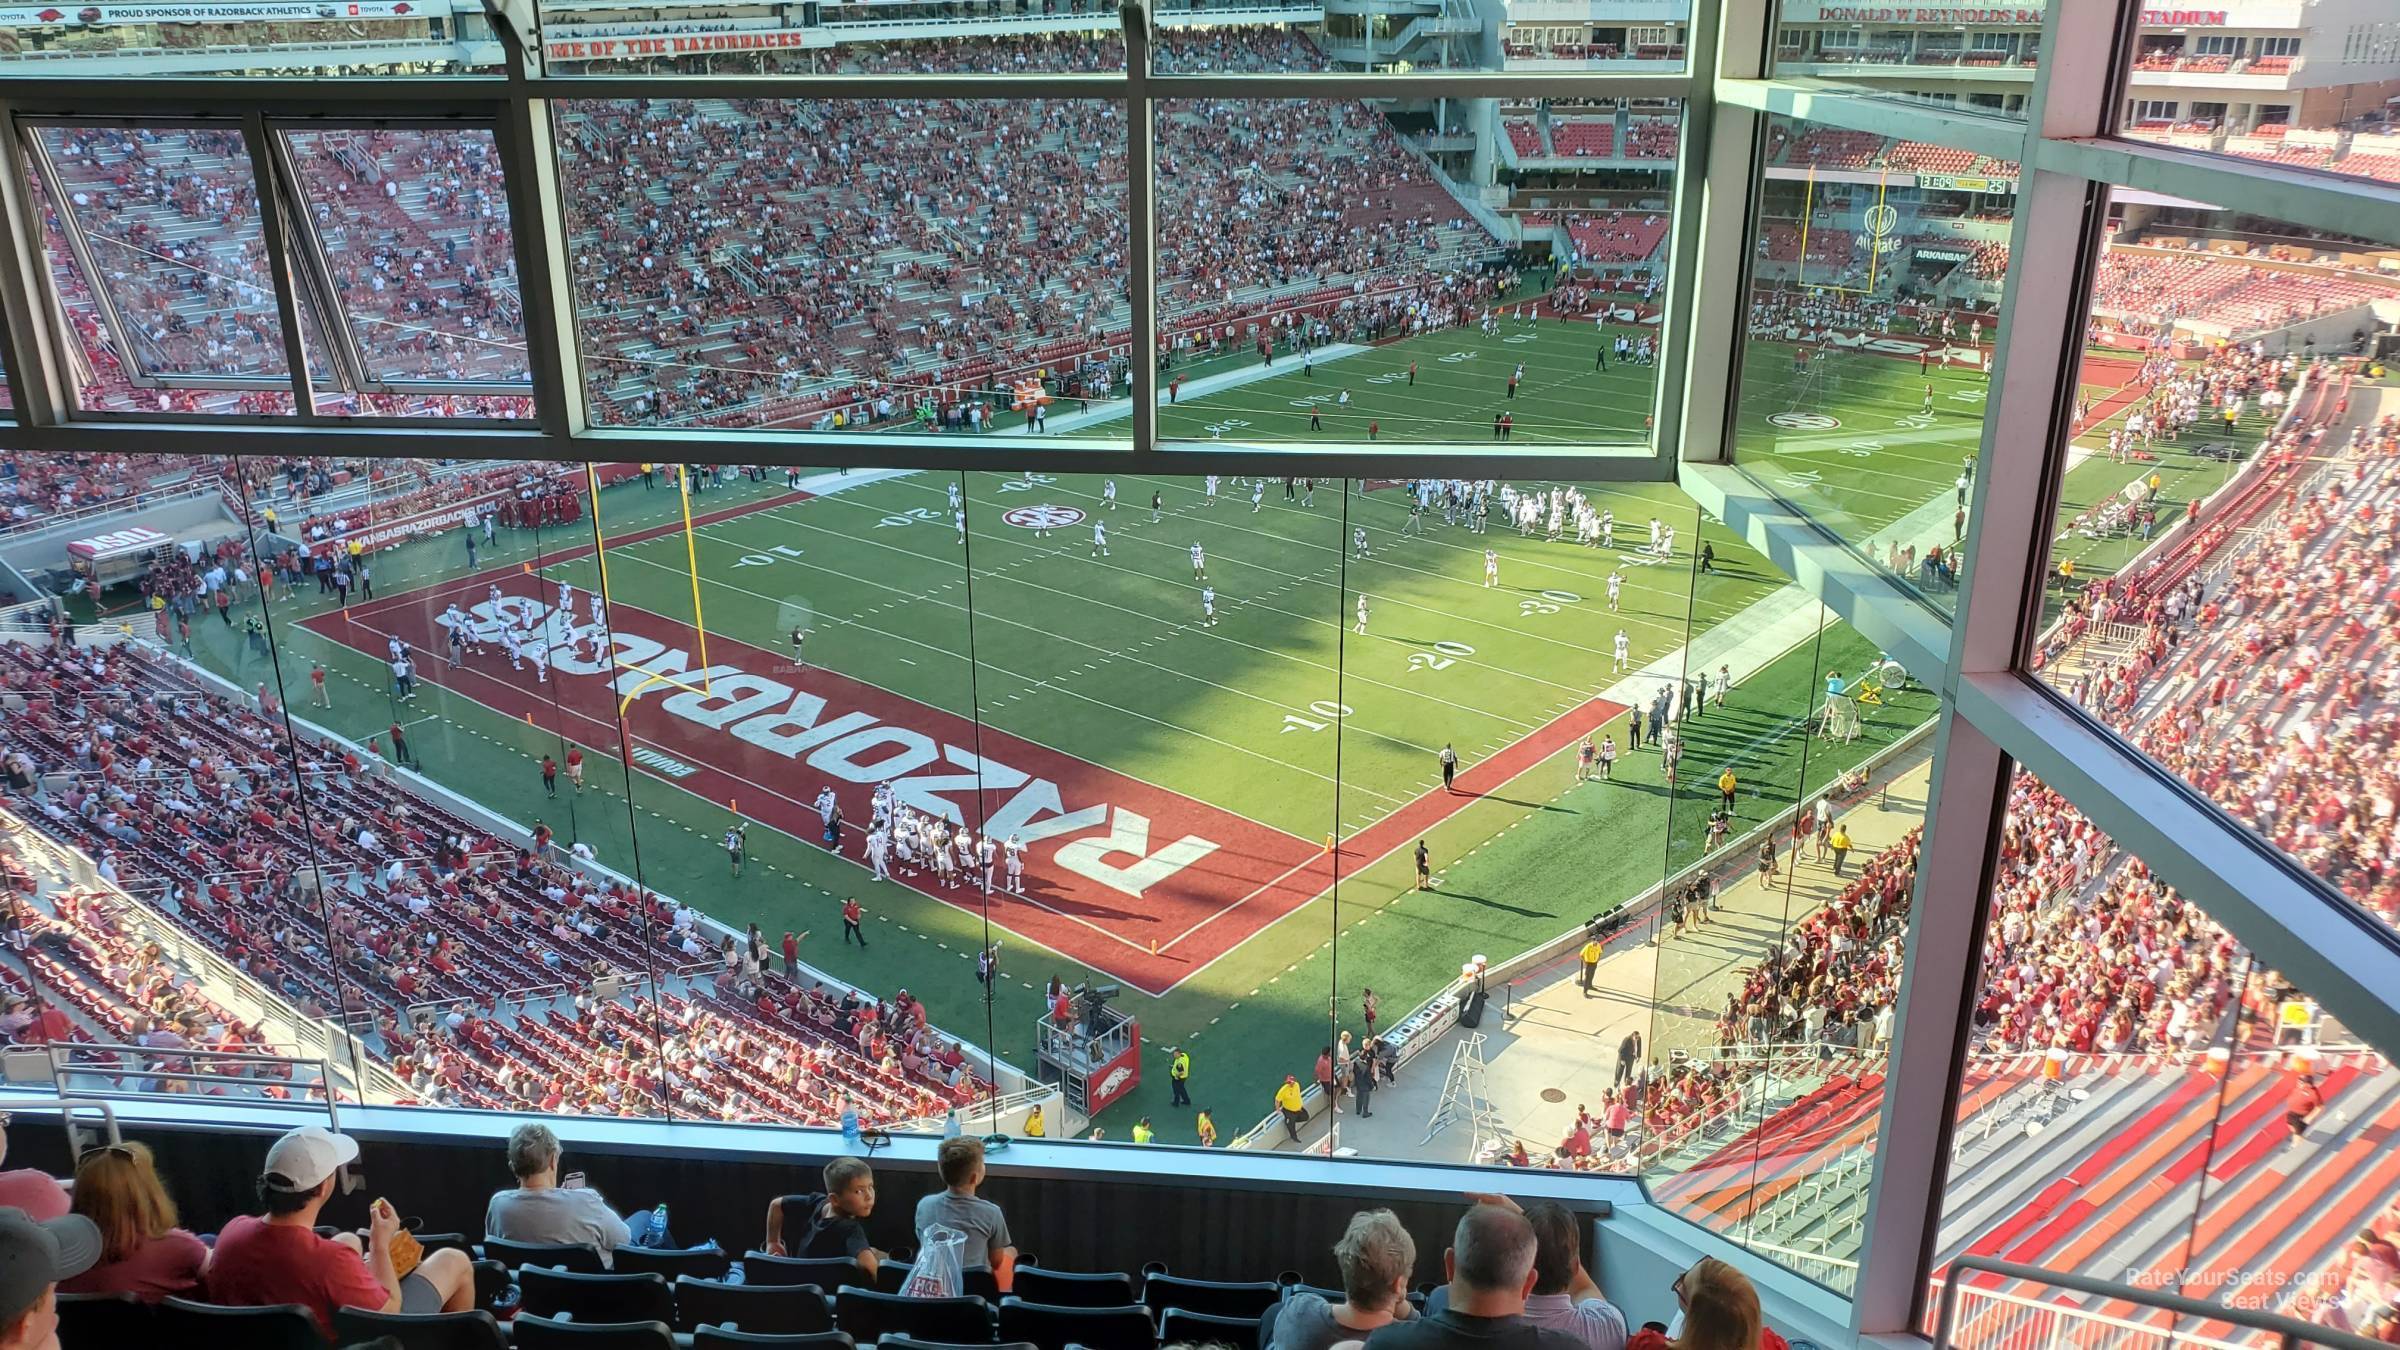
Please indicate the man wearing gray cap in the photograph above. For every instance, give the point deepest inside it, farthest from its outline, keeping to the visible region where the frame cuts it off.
(34, 1257)
(280, 1259)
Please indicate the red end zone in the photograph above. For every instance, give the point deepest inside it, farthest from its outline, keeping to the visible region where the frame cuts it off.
(1112, 863)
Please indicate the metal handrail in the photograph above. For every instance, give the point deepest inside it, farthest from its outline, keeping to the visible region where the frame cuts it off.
(325, 1092)
(2290, 1332)
(66, 1107)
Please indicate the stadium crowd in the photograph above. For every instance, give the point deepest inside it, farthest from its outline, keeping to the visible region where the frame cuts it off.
(356, 898)
(2249, 679)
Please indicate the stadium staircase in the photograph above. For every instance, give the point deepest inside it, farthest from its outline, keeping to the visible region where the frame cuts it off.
(2169, 1167)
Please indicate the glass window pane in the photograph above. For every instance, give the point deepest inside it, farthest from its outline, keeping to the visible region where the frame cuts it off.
(1779, 938)
(2228, 447)
(1874, 305)
(158, 264)
(736, 265)
(2291, 94)
(1976, 60)
(1289, 311)
(404, 232)
(2125, 1045)
(358, 38)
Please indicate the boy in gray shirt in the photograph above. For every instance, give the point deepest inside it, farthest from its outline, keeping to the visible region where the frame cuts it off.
(988, 1245)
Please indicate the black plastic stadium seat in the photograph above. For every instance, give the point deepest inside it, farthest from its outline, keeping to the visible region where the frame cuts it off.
(282, 1326)
(1052, 1327)
(727, 1338)
(1215, 1298)
(982, 1284)
(434, 1242)
(102, 1321)
(563, 1255)
(541, 1333)
(470, 1330)
(1068, 1289)
(823, 1272)
(1190, 1328)
(703, 1263)
(595, 1298)
(909, 1343)
(783, 1309)
(869, 1314)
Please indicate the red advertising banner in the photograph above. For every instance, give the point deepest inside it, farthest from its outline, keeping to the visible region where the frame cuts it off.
(1119, 1076)
(684, 44)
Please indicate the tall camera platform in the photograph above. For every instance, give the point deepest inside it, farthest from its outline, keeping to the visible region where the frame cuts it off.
(1095, 1061)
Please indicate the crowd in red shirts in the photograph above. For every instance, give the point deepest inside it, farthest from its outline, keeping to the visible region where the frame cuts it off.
(2265, 677)
(193, 802)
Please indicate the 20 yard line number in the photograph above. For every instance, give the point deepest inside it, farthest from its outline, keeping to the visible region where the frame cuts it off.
(1443, 656)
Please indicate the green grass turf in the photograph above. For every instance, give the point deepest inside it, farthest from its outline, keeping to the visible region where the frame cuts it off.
(1461, 385)
(1199, 710)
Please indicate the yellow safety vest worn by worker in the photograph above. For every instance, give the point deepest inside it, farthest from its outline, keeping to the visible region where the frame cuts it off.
(1181, 1068)
(1141, 1134)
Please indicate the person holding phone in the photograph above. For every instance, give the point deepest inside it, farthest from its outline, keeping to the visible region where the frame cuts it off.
(278, 1257)
(544, 1209)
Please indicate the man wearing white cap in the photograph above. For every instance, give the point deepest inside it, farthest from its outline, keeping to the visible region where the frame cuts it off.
(280, 1259)
(34, 1257)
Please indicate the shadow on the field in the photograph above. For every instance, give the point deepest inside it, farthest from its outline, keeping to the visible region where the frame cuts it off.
(1474, 899)
(1531, 806)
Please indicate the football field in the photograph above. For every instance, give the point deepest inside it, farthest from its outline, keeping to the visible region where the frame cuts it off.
(1175, 779)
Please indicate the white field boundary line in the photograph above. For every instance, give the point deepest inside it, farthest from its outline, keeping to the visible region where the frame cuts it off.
(763, 788)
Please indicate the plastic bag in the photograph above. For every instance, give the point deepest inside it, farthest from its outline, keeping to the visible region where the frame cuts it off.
(937, 1273)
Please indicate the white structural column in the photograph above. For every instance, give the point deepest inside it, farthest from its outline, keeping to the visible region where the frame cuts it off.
(1141, 235)
(2034, 378)
(27, 341)
(1708, 268)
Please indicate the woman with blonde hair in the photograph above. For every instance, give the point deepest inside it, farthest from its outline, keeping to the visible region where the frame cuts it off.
(142, 1252)
(1718, 1311)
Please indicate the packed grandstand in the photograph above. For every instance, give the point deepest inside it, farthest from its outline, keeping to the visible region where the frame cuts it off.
(198, 889)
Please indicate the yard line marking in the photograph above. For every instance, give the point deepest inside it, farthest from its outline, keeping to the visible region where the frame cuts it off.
(987, 665)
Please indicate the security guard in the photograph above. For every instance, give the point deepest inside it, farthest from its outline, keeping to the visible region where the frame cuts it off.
(1033, 1124)
(1179, 1073)
(1142, 1133)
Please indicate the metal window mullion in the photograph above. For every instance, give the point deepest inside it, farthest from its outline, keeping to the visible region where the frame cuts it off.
(1706, 268)
(1686, 229)
(1141, 234)
(2037, 353)
(30, 350)
(2036, 367)
(545, 288)
(273, 194)
(1857, 109)
(1964, 800)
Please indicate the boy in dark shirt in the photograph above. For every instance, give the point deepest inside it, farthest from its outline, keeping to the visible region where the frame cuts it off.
(828, 1224)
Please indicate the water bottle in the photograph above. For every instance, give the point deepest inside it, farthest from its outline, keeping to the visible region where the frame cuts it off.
(950, 1126)
(850, 1124)
(658, 1226)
